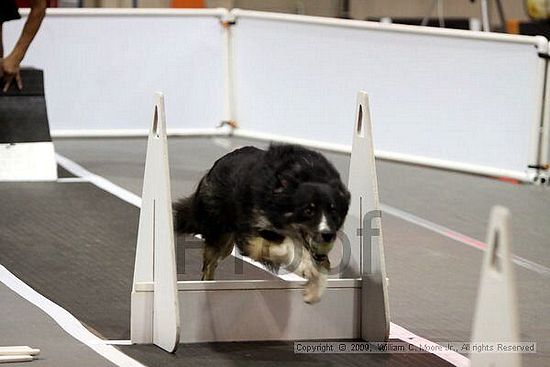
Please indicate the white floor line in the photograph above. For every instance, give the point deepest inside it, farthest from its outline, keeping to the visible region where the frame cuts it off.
(71, 180)
(398, 332)
(286, 276)
(118, 342)
(462, 238)
(98, 181)
(66, 321)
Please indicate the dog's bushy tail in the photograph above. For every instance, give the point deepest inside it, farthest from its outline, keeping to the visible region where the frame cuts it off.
(184, 221)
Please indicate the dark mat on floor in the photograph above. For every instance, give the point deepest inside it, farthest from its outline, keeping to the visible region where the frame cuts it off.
(23, 113)
(33, 84)
(75, 244)
(266, 354)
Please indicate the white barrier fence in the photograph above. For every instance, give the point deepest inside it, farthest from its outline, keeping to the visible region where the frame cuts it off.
(444, 98)
(440, 97)
(101, 65)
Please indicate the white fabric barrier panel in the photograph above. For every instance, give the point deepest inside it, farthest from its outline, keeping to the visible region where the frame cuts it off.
(101, 66)
(458, 99)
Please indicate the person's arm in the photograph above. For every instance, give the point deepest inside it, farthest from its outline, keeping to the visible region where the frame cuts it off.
(10, 64)
(1, 42)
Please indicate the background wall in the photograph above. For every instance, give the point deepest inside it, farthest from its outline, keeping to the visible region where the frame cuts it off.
(455, 97)
(359, 9)
(126, 3)
(101, 71)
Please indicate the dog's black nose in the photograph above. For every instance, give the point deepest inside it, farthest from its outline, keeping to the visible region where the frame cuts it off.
(328, 236)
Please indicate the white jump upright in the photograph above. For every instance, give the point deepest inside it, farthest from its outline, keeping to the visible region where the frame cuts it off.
(496, 315)
(156, 319)
(363, 228)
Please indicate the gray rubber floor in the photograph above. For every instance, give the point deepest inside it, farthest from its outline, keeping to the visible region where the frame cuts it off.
(433, 279)
(271, 354)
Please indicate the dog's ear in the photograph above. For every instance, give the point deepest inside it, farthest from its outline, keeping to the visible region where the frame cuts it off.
(286, 179)
(347, 196)
(282, 183)
(341, 190)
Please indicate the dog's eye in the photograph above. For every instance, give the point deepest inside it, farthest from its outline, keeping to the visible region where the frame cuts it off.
(310, 211)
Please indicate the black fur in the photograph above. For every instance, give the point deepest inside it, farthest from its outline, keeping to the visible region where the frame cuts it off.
(275, 193)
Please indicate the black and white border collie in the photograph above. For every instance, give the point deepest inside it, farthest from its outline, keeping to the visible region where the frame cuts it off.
(282, 207)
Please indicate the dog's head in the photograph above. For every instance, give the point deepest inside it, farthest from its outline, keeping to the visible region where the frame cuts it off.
(319, 210)
(309, 197)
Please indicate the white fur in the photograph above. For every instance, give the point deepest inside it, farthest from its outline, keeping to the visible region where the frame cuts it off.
(255, 248)
(323, 224)
(279, 253)
(316, 277)
(284, 254)
(261, 220)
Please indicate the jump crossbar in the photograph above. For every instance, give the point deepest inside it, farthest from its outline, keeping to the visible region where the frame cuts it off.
(197, 285)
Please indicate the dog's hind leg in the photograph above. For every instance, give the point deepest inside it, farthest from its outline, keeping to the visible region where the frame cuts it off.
(215, 250)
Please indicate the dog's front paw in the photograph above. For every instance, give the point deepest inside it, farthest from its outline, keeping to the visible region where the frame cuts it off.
(315, 287)
(312, 293)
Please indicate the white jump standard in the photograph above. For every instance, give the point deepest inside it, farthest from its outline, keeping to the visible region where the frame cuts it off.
(211, 311)
(496, 316)
(156, 319)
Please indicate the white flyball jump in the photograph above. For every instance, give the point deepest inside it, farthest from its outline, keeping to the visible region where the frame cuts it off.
(496, 315)
(213, 311)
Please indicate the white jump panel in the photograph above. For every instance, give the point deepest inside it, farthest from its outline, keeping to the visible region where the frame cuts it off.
(101, 66)
(265, 310)
(443, 97)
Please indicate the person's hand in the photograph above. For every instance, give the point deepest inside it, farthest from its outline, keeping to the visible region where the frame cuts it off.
(10, 71)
